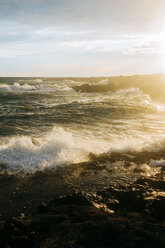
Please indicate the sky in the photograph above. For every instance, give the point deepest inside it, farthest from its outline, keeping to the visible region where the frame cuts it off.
(71, 38)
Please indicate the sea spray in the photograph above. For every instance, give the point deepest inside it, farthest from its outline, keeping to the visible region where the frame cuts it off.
(65, 147)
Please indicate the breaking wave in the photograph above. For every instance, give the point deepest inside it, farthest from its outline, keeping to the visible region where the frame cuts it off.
(58, 147)
(130, 91)
(61, 147)
(18, 87)
(159, 163)
(37, 80)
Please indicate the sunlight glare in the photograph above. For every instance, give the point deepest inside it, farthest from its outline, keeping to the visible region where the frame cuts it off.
(160, 107)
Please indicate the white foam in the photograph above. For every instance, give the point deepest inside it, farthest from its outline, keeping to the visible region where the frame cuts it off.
(58, 88)
(65, 146)
(135, 95)
(16, 87)
(37, 80)
(128, 91)
(159, 163)
(125, 144)
(58, 147)
(5, 88)
(102, 82)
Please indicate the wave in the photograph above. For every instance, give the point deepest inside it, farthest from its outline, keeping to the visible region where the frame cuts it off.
(17, 87)
(158, 163)
(61, 147)
(58, 147)
(126, 96)
(37, 80)
(130, 91)
(103, 87)
(62, 88)
(152, 85)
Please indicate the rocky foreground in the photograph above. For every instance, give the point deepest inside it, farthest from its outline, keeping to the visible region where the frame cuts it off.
(119, 216)
(110, 201)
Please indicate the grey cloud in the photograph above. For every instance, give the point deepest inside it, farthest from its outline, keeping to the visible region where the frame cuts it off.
(119, 15)
(74, 31)
(149, 45)
(146, 48)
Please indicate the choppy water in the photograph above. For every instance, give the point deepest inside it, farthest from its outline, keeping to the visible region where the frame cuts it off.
(46, 122)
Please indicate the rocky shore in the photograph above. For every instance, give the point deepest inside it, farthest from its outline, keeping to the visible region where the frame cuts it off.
(120, 215)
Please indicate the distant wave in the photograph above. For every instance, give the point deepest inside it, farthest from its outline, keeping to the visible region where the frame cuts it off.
(37, 80)
(151, 85)
(130, 94)
(160, 162)
(90, 88)
(129, 91)
(17, 87)
(103, 86)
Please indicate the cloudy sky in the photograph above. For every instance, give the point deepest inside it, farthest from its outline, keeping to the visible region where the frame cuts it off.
(81, 37)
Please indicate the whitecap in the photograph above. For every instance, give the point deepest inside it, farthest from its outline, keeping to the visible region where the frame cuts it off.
(158, 163)
(16, 87)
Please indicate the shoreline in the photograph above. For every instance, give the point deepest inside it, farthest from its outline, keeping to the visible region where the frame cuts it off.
(61, 208)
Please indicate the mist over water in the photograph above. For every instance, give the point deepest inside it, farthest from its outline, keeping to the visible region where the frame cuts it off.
(49, 122)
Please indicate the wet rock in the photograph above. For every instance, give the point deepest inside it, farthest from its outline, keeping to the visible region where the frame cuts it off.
(158, 208)
(81, 220)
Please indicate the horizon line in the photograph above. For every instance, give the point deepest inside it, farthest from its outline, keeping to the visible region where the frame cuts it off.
(127, 75)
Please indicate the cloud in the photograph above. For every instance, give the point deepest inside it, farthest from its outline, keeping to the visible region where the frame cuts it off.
(74, 31)
(51, 18)
(149, 47)
(127, 16)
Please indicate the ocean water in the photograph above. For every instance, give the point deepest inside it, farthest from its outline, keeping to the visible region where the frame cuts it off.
(50, 122)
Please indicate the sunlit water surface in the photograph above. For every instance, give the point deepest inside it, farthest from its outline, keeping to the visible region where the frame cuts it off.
(45, 123)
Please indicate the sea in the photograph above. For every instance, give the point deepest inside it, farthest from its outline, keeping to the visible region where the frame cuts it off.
(46, 123)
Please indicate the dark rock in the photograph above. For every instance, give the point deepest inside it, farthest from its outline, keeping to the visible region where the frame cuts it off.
(80, 220)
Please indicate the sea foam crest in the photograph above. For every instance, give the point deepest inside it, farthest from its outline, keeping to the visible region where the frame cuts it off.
(65, 147)
(37, 80)
(17, 87)
(130, 91)
(56, 148)
(159, 163)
